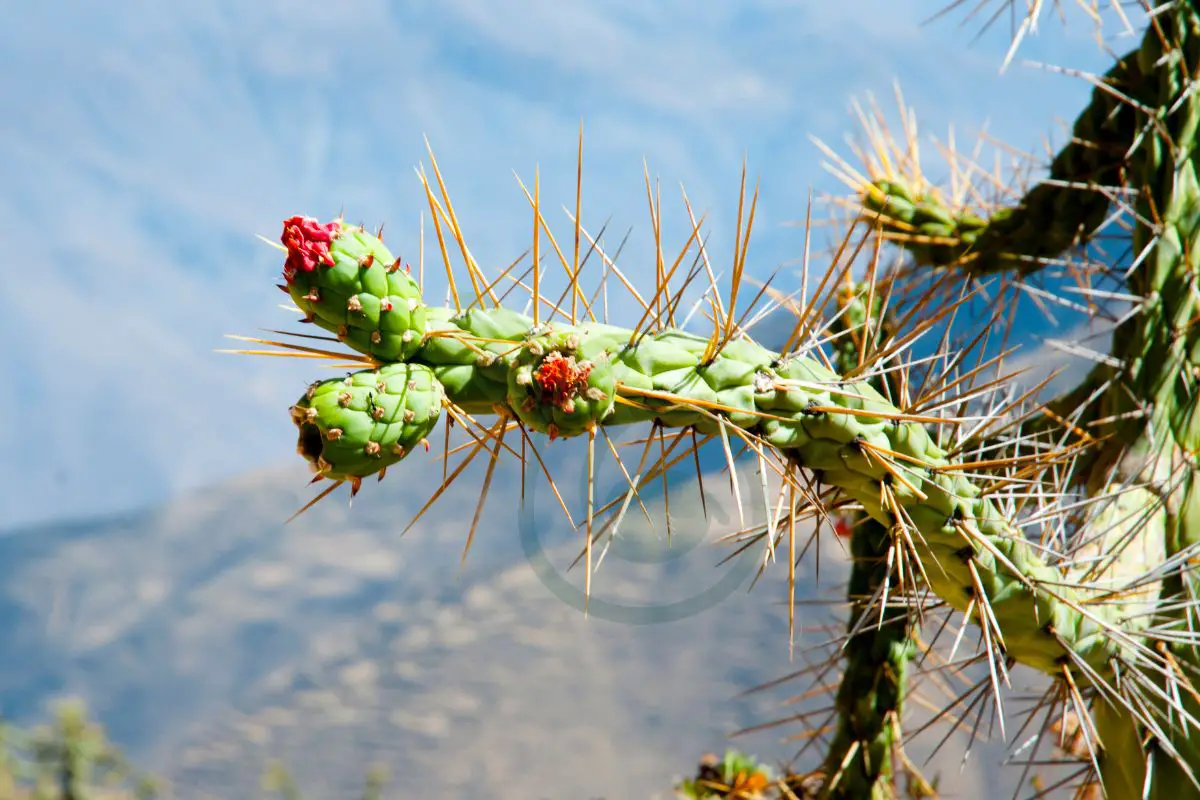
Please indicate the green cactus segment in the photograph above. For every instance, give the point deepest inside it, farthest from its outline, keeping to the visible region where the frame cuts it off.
(356, 426)
(486, 358)
(480, 359)
(880, 641)
(346, 282)
(720, 390)
(1062, 211)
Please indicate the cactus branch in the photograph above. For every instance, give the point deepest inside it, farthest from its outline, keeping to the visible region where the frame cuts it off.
(801, 417)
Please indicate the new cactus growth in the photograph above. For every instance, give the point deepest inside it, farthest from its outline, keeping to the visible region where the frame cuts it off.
(1066, 532)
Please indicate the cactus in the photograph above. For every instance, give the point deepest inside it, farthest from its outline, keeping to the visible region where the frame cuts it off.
(72, 759)
(1065, 532)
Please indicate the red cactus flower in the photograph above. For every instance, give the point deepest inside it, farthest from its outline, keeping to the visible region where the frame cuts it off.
(307, 242)
(561, 380)
(842, 526)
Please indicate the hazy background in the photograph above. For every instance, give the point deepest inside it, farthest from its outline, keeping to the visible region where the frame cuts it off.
(145, 478)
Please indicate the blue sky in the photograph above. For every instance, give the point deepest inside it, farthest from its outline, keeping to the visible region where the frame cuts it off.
(144, 148)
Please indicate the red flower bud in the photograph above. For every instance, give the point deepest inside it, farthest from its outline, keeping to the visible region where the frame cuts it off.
(307, 242)
(561, 380)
